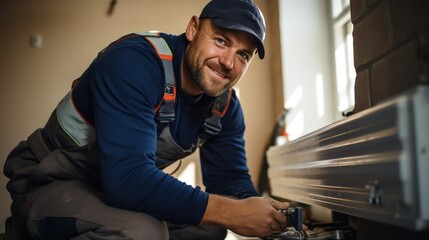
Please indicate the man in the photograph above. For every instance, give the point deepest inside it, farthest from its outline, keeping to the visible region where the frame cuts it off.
(94, 171)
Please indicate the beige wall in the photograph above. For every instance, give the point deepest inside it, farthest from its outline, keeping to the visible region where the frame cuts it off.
(34, 79)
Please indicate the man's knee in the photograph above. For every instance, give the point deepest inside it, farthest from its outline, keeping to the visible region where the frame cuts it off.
(143, 227)
(86, 216)
(122, 227)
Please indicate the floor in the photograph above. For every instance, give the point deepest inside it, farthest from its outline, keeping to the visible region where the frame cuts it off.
(233, 236)
(229, 236)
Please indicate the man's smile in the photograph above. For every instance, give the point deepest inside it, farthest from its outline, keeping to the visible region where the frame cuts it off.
(219, 74)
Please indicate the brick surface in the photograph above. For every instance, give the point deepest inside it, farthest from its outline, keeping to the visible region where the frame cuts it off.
(357, 9)
(370, 2)
(362, 91)
(373, 36)
(395, 73)
(408, 17)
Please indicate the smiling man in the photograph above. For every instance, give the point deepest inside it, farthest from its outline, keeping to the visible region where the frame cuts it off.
(95, 170)
(215, 57)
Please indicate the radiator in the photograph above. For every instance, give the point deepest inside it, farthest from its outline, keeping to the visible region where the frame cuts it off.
(373, 164)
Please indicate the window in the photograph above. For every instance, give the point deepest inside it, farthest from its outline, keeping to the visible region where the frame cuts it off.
(344, 65)
(307, 65)
(317, 63)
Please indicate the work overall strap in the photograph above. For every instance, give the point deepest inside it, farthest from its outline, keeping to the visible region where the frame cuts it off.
(164, 111)
(212, 125)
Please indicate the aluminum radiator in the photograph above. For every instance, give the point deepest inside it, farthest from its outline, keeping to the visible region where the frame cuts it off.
(373, 164)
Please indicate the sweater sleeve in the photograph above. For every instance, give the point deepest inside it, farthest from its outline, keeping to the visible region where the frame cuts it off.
(223, 157)
(126, 86)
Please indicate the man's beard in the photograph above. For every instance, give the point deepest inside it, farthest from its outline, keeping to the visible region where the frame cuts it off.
(203, 84)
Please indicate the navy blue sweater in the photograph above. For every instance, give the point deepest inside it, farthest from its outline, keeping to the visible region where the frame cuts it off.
(118, 94)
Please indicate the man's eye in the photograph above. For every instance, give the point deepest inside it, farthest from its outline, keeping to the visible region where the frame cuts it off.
(244, 56)
(220, 41)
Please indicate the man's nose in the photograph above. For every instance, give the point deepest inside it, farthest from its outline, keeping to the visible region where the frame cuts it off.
(227, 59)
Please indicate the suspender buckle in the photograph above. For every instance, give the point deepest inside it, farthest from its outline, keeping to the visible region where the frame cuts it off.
(166, 112)
(212, 125)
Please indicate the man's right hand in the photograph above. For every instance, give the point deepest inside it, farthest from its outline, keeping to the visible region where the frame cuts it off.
(254, 216)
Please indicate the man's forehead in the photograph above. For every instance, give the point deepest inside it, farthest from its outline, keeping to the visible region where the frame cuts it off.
(237, 36)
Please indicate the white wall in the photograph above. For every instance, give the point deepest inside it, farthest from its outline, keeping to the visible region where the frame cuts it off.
(307, 65)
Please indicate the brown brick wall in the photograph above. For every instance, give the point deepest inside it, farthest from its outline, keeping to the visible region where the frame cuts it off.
(395, 72)
(362, 91)
(387, 47)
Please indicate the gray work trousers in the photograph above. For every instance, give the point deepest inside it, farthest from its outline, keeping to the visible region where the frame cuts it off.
(73, 210)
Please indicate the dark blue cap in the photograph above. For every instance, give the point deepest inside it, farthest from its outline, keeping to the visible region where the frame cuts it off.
(241, 15)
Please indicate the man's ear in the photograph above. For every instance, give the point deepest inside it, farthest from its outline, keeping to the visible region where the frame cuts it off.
(192, 28)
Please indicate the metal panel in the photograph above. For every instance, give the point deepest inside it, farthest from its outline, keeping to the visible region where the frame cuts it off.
(374, 164)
